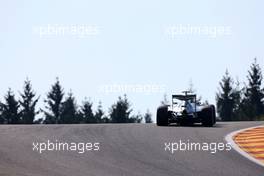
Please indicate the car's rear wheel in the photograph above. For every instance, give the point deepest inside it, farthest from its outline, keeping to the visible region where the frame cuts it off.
(208, 116)
(214, 114)
(163, 116)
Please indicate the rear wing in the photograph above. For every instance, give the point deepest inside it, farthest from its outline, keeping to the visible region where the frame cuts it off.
(184, 97)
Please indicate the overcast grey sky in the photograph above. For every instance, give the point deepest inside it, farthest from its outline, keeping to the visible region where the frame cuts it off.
(90, 45)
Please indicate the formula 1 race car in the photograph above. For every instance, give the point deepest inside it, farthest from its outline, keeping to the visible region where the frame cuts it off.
(185, 110)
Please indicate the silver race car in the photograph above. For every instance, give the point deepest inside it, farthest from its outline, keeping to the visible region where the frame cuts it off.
(185, 110)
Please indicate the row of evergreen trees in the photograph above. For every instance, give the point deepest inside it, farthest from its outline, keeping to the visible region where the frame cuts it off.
(61, 109)
(246, 103)
(233, 103)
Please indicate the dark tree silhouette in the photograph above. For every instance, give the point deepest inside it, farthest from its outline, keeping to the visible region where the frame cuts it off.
(2, 120)
(227, 99)
(87, 112)
(99, 114)
(10, 109)
(28, 103)
(253, 99)
(69, 110)
(120, 111)
(148, 117)
(54, 103)
(135, 118)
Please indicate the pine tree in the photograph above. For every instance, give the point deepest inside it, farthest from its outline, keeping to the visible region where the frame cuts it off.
(54, 103)
(2, 120)
(253, 105)
(87, 112)
(135, 118)
(99, 114)
(28, 103)
(147, 117)
(227, 99)
(10, 109)
(120, 111)
(69, 110)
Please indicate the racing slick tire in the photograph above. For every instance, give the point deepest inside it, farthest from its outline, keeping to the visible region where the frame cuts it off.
(162, 116)
(208, 116)
(214, 114)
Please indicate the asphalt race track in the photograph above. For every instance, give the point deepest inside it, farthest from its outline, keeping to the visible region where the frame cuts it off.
(125, 150)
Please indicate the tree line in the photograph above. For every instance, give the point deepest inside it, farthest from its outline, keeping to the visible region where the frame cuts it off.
(61, 108)
(239, 103)
(234, 103)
